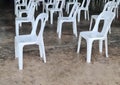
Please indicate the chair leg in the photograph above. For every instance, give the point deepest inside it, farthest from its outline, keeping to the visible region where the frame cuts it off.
(67, 8)
(88, 14)
(17, 28)
(79, 44)
(117, 12)
(43, 51)
(60, 14)
(36, 6)
(110, 31)
(79, 13)
(16, 50)
(58, 27)
(40, 51)
(60, 30)
(100, 45)
(46, 9)
(75, 28)
(51, 17)
(20, 58)
(106, 47)
(89, 50)
(85, 14)
(91, 21)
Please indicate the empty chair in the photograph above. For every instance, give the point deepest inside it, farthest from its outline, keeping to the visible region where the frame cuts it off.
(90, 36)
(109, 6)
(30, 39)
(59, 4)
(84, 7)
(70, 18)
(25, 19)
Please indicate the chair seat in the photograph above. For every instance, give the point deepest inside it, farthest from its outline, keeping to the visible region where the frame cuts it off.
(26, 39)
(53, 9)
(67, 19)
(23, 19)
(92, 35)
(94, 16)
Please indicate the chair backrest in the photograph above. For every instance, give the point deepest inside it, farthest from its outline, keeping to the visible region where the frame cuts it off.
(59, 4)
(107, 17)
(74, 10)
(85, 4)
(42, 18)
(110, 6)
(24, 1)
(31, 10)
(19, 2)
(29, 4)
(118, 2)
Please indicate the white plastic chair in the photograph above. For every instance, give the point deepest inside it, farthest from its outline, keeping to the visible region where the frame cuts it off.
(68, 5)
(90, 36)
(30, 39)
(28, 18)
(70, 18)
(109, 6)
(59, 4)
(84, 7)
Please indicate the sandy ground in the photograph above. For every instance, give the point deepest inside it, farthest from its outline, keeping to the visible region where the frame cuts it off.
(64, 66)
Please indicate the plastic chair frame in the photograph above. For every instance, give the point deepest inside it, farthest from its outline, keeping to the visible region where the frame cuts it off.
(93, 35)
(30, 39)
(57, 8)
(84, 7)
(70, 18)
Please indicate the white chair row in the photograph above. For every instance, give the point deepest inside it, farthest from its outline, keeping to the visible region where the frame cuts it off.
(33, 38)
(90, 36)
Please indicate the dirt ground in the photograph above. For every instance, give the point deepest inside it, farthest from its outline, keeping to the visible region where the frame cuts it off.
(64, 66)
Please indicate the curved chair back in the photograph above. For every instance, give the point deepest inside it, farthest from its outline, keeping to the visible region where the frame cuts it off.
(107, 22)
(110, 6)
(42, 18)
(74, 10)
